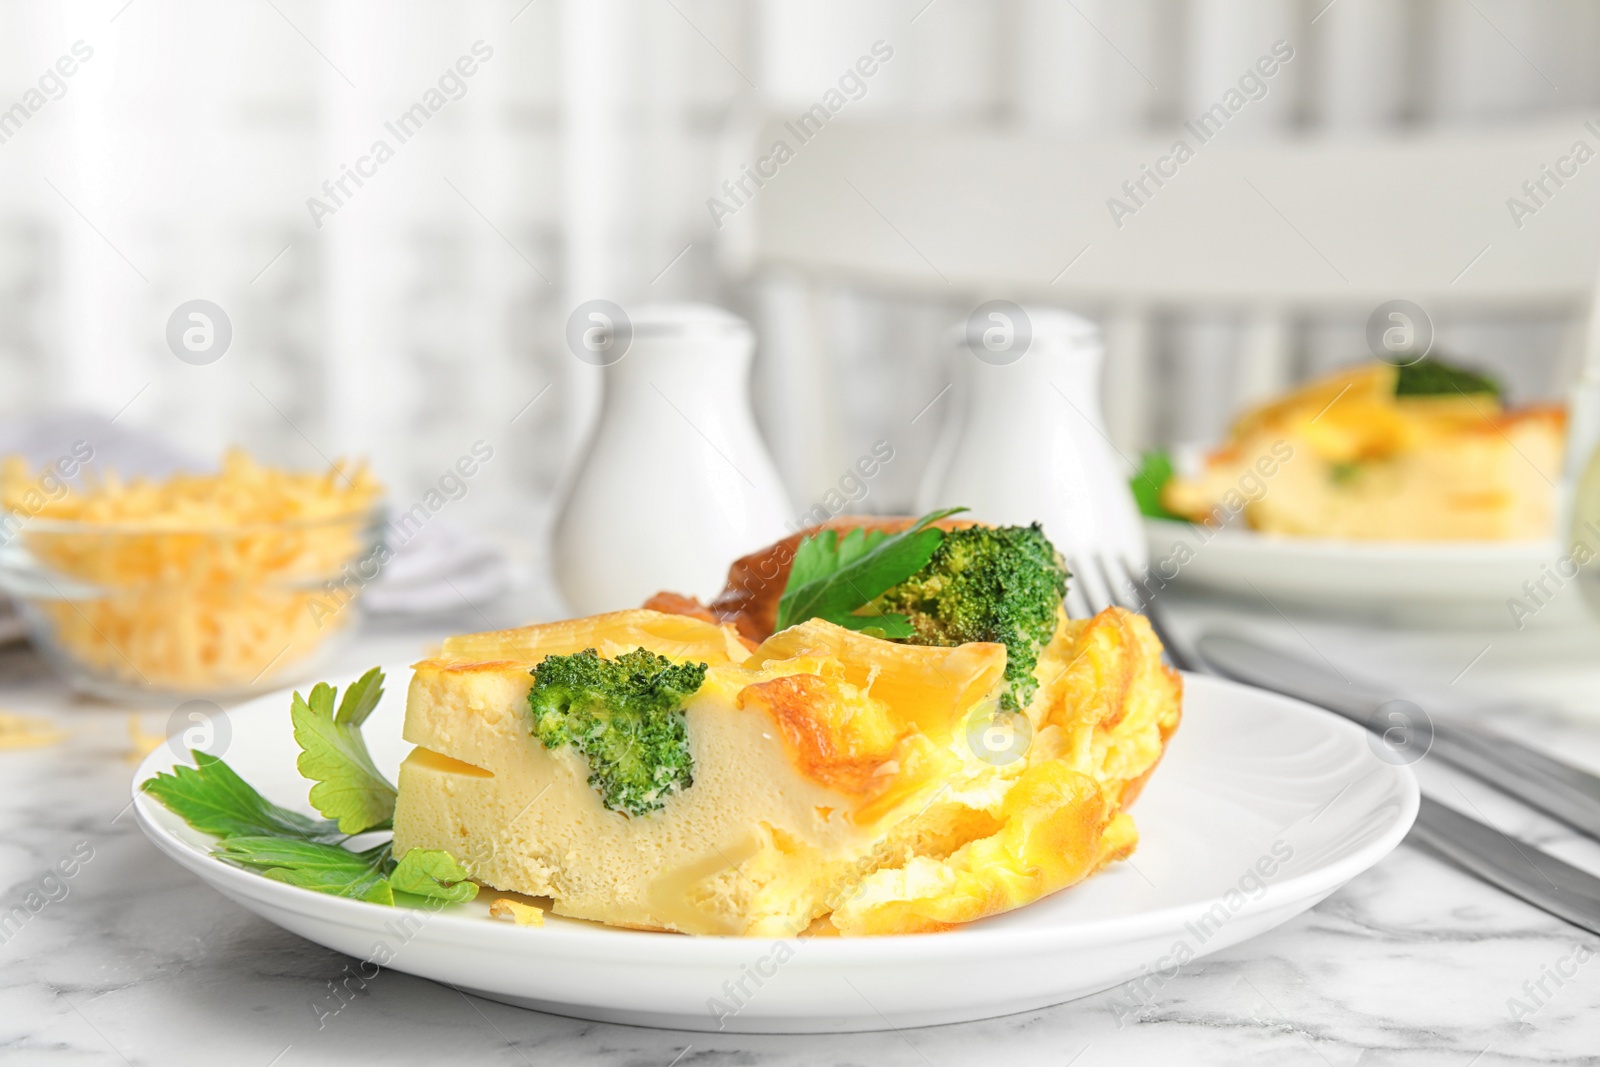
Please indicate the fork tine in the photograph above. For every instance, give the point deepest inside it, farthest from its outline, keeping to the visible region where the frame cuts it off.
(1176, 655)
(1091, 580)
(1103, 582)
(1119, 580)
(1156, 614)
(1077, 601)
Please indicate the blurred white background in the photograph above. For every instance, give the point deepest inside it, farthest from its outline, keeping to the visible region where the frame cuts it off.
(426, 312)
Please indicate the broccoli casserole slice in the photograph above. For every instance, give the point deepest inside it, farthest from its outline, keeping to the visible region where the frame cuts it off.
(1426, 452)
(648, 770)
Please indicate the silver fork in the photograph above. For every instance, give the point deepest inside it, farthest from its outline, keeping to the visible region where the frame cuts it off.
(1516, 867)
(1100, 580)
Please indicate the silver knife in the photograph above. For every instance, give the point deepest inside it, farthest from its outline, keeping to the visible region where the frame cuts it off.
(1558, 789)
(1519, 869)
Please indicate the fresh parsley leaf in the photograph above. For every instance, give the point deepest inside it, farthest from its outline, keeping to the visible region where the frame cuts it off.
(349, 787)
(814, 557)
(286, 846)
(213, 799)
(1435, 377)
(839, 576)
(431, 872)
(320, 867)
(823, 553)
(858, 543)
(360, 698)
(1155, 471)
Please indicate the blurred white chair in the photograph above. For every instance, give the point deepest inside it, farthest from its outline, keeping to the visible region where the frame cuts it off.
(1267, 230)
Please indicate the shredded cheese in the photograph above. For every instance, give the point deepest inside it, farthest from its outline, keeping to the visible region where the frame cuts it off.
(199, 582)
(27, 731)
(518, 912)
(140, 743)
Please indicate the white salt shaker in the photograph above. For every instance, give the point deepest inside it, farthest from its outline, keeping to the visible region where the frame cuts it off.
(1026, 440)
(676, 482)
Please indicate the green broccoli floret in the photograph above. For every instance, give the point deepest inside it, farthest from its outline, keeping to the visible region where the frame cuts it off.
(626, 716)
(986, 583)
(1434, 377)
(1344, 473)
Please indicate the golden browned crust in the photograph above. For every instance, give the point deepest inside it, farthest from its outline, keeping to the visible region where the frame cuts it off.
(1134, 786)
(830, 751)
(1167, 725)
(1106, 709)
(465, 666)
(678, 604)
(1059, 827)
(1106, 689)
(1553, 415)
(678, 634)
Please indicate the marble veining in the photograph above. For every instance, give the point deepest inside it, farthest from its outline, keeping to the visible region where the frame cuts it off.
(138, 962)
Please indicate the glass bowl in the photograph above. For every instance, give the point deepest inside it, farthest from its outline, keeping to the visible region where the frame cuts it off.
(145, 612)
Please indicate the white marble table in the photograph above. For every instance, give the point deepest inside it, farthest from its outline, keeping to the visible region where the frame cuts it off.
(1413, 963)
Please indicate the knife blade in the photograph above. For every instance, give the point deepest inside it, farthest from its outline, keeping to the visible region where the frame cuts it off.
(1539, 780)
(1526, 872)
(1522, 870)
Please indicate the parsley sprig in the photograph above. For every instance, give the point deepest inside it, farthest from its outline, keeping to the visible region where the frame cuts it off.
(349, 791)
(1432, 376)
(215, 800)
(1155, 471)
(834, 577)
(310, 865)
(350, 788)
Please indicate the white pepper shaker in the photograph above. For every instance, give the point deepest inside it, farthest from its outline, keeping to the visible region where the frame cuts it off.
(1026, 440)
(676, 482)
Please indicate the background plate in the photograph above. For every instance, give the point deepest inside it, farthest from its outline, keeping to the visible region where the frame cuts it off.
(1262, 807)
(1451, 582)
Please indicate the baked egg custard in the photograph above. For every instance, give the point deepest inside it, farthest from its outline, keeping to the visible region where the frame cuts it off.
(857, 772)
(1426, 452)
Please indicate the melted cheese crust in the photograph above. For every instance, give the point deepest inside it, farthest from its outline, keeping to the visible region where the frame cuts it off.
(832, 777)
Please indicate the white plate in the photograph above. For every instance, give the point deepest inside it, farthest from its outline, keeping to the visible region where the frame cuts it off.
(1247, 772)
(1466, 582)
